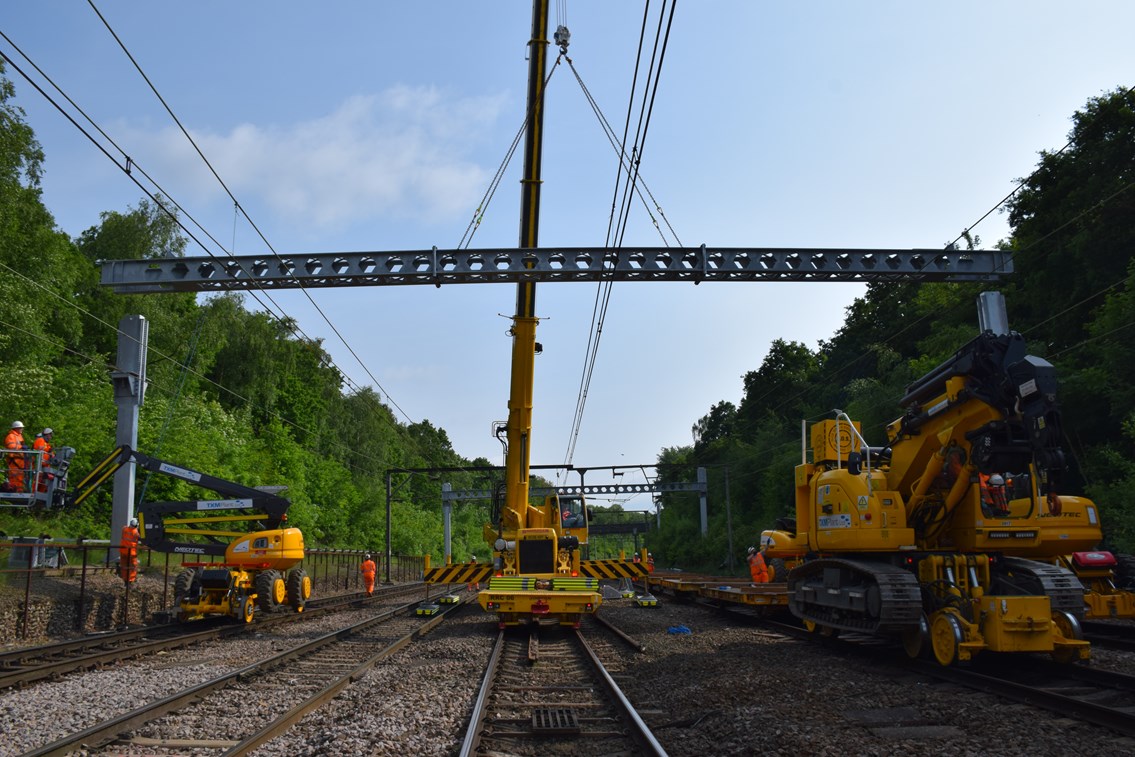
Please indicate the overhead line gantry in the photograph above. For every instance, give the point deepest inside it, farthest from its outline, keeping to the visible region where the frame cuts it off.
(551, 264)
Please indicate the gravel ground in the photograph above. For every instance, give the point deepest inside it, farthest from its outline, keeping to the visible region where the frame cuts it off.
(733, 689)
(726, 688)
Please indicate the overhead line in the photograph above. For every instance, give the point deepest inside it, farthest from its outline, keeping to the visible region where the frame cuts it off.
(237, 204)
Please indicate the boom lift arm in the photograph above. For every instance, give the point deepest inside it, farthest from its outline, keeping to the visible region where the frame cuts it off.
(267, 509)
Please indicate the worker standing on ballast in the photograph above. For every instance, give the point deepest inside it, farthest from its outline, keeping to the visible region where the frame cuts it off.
(369, 569)
(758, 570)
(16, 459)
(128, 552)
(473, 585)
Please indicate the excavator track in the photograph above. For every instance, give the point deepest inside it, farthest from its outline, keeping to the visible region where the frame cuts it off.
(856, 595)
(1060, 585)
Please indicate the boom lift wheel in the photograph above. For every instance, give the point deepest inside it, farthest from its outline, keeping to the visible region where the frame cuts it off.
(916, 641)
(246, 609)
(182, 584)
(270, 590)
(1066, 627)
(946, 635)
(778, 570)
(299, 589)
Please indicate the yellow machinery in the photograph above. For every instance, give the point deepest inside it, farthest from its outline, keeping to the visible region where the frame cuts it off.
(537, 571)
(905, 539)
(260, 571)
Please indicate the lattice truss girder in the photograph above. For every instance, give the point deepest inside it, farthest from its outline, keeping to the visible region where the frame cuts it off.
(550, 264)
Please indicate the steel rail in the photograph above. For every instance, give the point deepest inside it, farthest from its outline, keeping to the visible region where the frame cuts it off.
(477, 718)
(642, 733)
(23, 666)
(619, 633)
(110, 729)
(601, 683)
(329, 692)
(1119, 718)
(1109, 635)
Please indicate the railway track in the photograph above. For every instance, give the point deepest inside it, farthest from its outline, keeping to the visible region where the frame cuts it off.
(51, 661)
(207, 718)
(1101, 697)
(546, 692)
(1119, 636)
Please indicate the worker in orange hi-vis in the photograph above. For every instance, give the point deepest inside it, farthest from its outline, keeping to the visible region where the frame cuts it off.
(473, 585)
(16, 458)
(42, 445)
(758, 570)
(369, 570)
(128, 552)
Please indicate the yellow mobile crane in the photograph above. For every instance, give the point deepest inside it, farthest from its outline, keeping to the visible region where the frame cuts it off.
(537, 571)
(260, 569)
(900, 540)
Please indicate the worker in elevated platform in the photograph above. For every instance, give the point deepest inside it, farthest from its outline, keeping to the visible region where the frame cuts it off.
(369, 570)
(16, 458)
(758, 570)
(128, 552)
(42, 445)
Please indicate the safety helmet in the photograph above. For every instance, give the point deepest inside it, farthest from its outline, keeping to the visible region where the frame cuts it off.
(752, 550)
(367, 556)
(649, 554)
(17, 424)
(134, 522)
(48, 432)
(996, 480)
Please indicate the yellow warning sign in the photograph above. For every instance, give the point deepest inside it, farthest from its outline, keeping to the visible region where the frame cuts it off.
(612, 569)
(459, 573)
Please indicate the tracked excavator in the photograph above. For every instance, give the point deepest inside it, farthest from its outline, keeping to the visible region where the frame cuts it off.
(905, 539)
(260, 571)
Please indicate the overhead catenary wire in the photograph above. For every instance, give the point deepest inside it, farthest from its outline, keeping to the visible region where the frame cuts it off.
(243, 212)
(246, 401)
(130, 168)
(617, 225)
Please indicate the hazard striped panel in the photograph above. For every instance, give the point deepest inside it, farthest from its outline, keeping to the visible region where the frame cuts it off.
(612, 569)
(528, 583)
(459, 573)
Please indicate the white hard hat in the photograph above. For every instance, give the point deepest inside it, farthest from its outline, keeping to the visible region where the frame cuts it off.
(134, 521)
(996, 480)
(47, 431)
(752, 550)
(17, 424)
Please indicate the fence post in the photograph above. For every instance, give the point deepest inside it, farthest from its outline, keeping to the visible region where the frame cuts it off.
(82, 587)
(126, 602)
(165, 583)
(28, 592)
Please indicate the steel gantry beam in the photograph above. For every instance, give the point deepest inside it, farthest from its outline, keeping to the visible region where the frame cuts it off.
(462, 495)
(550, 264)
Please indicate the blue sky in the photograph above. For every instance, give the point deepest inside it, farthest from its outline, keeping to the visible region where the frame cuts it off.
(378, 126)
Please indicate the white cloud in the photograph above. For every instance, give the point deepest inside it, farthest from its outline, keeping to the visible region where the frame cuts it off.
(401, 154)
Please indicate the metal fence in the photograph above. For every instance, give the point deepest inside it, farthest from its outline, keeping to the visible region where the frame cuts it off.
(56, 588)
